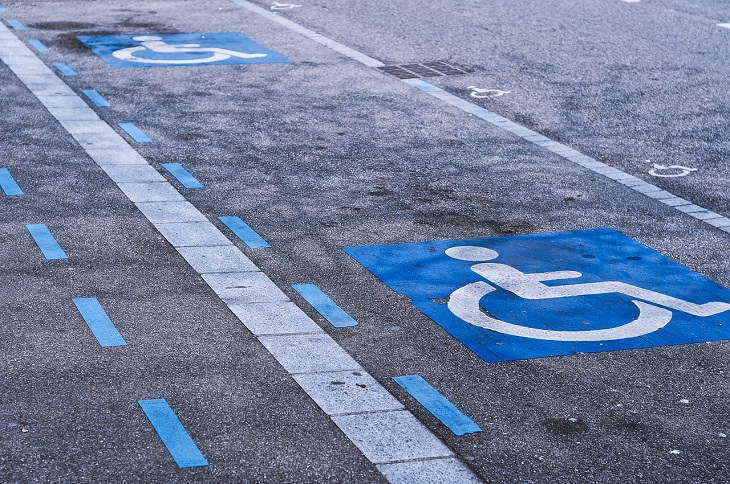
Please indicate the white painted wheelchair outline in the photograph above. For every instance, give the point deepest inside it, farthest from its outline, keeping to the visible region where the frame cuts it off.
(464, 302)
(156, 44)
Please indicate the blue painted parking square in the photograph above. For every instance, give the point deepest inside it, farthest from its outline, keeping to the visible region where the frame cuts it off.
(158, 50)
(531, 296)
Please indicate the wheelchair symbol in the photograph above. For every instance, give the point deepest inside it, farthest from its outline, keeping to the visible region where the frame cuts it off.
(655, 309)
(155, 44)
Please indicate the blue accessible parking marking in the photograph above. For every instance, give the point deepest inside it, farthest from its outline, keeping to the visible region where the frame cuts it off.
(244, 232)
(96, 98)
(16, 24)
(325, 306)
(98, 321)
(64, 69)
(46, 242)
(8, 184)
(137, 134)
(531, 296)
(38, 45)
(172, 433)
(159, 50)
(182, 175)
(437, 404)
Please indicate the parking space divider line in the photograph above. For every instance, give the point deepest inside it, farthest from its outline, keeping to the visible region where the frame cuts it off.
(96, 98)
(16, 24)
(99, 323)
(46, 242)
(439, 406)
(182, 175)
(37, 45)
(8, 184)
(171, 431)
(135, 133)
(384, 438)
(64, 69)
(527, 134)
(325, 306)
(244, 232)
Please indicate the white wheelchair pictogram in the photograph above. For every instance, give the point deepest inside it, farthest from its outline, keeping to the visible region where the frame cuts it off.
(155, 44)
(655, 309)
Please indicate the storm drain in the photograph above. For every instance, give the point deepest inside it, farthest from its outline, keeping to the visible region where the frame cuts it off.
(424, 69)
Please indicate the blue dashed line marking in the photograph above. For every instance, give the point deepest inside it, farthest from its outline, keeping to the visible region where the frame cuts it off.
(96, 98)
(46, 242)
(64, 69)
(98, 321)
(38, 45)
(137, 134)
(16, 24)
(244, 232)
(325, 306)
(172, 433)
(437, 404)
(8, 184)
(182, 175)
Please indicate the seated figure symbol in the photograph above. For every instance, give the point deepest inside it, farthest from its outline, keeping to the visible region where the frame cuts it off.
(655, 309)
(156, 44)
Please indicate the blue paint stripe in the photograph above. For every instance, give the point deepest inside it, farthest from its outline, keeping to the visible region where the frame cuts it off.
(244, 232)
(46, 242)
(2, 8)
(99, 323)
(172, 433)
(137, 134)
(437, 404)
(64, 69)
(325, 306)
(8, 184)
(182, 175)
(16, 24)
(38, 45)
(96, 98)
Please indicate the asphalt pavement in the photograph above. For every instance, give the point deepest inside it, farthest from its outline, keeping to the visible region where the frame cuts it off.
(577, 140)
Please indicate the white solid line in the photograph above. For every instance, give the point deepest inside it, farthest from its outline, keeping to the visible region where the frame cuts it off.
(311, 352)
(727, 26)
(559, 149)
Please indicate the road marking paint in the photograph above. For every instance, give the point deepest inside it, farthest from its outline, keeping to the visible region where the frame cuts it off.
(38, 45)
(182, 175)
(137, 134)
(3, 8)
(283, 6)
(181, 446)
(64, 69)
(8, 184)
(96, 98)
(727, 26)
(489, 116)
(683, 171)
(260, 305)
(244, 232)
(437, 404)
(98, 321)
(631, 1)
(325, 306)
(46, 242)
(481, 93)
(15, 24)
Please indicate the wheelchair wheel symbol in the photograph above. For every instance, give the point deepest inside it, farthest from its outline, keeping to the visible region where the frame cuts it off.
(464, 302)
(155, 44)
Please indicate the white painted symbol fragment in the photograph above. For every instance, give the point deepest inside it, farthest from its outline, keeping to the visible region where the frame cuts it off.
(283, 6)
(464, 302)
(670, 171)
(157, 45)
(727, 26)
(481, 93)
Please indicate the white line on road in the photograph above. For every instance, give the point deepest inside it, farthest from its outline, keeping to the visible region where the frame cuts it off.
(403, 449)
(714, 219)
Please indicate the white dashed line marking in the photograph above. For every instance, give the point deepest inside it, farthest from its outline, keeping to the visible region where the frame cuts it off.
(391, 436)
(527, 134)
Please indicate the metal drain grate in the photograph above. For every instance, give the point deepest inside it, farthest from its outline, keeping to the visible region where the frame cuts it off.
(423, 69)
